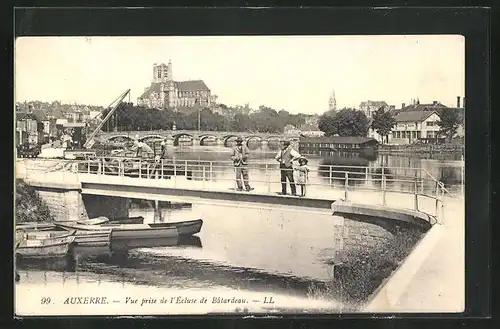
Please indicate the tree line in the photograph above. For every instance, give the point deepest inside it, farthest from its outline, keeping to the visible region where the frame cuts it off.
(129, 117)
(352, 122)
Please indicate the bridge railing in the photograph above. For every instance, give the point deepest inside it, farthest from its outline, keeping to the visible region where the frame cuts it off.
(389, 182)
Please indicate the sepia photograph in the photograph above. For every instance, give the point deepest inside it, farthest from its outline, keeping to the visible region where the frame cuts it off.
(195, 175)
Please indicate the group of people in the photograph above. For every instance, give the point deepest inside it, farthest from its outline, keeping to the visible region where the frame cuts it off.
(285, 156)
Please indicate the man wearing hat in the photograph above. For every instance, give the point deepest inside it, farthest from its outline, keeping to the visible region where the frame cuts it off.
(285, 157)
(240, 161)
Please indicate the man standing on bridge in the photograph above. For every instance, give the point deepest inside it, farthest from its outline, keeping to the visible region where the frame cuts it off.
(240, 161)
(285, 157)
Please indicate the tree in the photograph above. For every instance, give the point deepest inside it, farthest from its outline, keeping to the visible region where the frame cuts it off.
(448, 123)
(326, 124)
(347, 122)
(383, 122)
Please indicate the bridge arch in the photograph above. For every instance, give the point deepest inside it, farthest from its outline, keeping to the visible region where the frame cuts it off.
(275, 137)
(176, 138)
(227, 138)
(273, 141)
(119, 137)
(152, 137)
(254, 137)
(203, 137)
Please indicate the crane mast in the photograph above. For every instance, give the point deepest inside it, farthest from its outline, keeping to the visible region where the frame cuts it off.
(117, 102)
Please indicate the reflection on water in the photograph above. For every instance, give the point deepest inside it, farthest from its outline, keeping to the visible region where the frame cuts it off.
(260, 250)
(448, 171)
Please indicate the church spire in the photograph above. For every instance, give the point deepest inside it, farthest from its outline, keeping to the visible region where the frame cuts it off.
(332, 104)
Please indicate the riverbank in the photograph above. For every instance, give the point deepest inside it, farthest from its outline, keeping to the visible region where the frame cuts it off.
(29, 206)
(424, 150)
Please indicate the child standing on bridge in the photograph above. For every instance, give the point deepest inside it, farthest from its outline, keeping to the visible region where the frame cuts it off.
(303, 175)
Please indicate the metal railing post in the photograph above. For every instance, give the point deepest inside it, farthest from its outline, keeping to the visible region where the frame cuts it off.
(346, 184)
(421, 182)
(211, 171)
(330, 176)
(140, 168)
(185, 168)
(383, 183)
(268, 180)
(462, 169)
(442, 206)
(437, 199)
(162, 168)
(415, 192)
(235, 181)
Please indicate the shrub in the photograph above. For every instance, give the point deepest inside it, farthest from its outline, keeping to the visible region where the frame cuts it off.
(29, 206)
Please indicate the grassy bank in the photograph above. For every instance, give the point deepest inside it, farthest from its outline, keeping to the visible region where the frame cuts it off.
(363, 271)
(29, 206)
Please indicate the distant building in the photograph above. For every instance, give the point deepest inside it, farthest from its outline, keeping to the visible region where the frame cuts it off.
(336, 143)
(420, 122)
(312, 133)
(165, 93)
(370, 107)
(414, 125)
(332, 102)
(312, 120)
(310, 130)
(291, 130)
(28, 128)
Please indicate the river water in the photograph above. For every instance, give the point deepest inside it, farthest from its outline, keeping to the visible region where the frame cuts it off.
(447, 168)
(289, 254)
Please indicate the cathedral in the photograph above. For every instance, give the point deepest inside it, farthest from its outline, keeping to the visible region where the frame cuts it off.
(165, 93)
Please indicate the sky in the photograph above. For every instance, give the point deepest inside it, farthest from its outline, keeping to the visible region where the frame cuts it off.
(295, 73)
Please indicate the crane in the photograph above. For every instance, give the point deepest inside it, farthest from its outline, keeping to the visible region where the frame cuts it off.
(117, 102)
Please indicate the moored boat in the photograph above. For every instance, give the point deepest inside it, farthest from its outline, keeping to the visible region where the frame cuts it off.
(183, 228)
(126, 237)
(189, 227)
(35, 226)
(92, 238)
(38, 244)
(92, 221)
(126, 220)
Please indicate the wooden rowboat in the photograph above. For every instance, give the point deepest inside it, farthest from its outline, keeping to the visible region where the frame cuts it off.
(35, 226)
(126, 220)
(92, 238)
(93, 221)
(38, 244)
(123, 230)
(185, 228)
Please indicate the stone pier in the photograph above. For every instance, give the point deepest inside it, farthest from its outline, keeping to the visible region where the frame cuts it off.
(66, 202)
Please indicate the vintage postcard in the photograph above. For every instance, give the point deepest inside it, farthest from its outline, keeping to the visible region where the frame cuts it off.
(239, 175)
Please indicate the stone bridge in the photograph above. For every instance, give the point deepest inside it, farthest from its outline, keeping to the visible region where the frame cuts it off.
(172, 137)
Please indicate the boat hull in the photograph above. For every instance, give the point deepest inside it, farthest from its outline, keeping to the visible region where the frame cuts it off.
(48, 248)
(129, 220)
(188, 227)
(124, 239)
(92, 239)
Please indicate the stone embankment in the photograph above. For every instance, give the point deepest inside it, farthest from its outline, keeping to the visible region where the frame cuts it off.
(423, 150)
